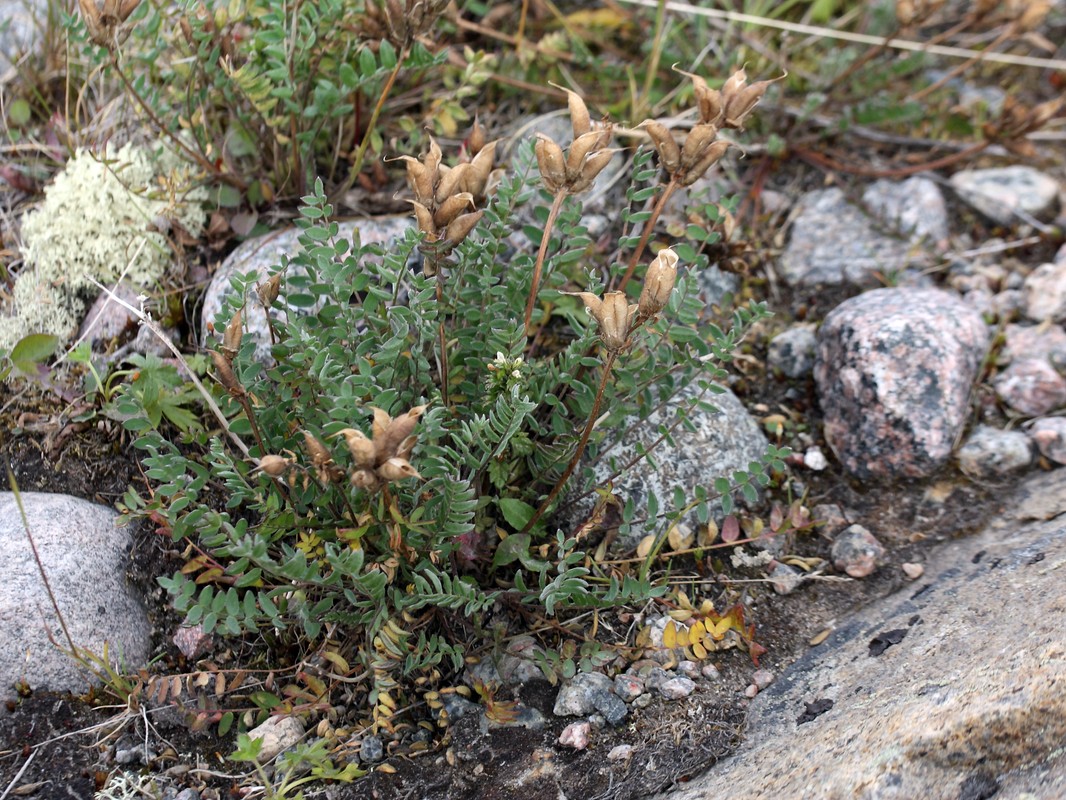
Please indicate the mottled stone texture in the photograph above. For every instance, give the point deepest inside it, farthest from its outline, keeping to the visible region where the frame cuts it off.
(1008, 195)
(971, 693)
(261, 257)
(893, 373)
(84, 556)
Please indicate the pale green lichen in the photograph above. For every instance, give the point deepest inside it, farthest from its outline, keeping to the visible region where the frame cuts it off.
(94, 216)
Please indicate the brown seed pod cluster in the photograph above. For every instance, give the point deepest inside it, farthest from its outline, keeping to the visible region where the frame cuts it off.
(574, 170)
(718, 109)
(383, 456)
(105, 23)
(617, 318)
(402, 21)
(1017, 120)
(446, 198)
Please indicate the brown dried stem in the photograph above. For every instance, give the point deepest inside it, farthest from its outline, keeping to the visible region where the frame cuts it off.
(645, 235)
(538, 268)
(608, 364)
(360, 154)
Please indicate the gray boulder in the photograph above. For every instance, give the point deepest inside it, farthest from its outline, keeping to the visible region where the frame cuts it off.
(261, 258)
(84, 556)
(835, 242)
(893, 373)
(1008, 195)
(721, 442)
(938, 691)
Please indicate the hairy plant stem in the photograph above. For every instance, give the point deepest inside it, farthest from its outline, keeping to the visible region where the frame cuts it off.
(538, 268)
(579, 451)
(443, 336)
(645, 235)
(360, 154)
(199, 158)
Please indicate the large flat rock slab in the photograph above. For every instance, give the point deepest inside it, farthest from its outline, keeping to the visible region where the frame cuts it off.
(948, 689)
(84, 555)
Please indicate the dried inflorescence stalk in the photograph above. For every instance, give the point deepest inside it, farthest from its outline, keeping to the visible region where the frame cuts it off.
(701, 150)
(446, 198)
(383, 456)
(1017, 120)
(105, 23)
(402, 21)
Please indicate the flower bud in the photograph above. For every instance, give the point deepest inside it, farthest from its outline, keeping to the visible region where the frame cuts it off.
(658, 284)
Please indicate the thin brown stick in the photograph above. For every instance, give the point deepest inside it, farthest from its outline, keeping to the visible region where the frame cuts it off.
(538, 268)
(582, 443)
(645, 235)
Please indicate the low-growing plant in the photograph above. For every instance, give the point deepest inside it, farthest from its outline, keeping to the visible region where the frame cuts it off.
(423, 418)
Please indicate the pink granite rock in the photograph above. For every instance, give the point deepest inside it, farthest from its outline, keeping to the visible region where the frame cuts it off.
(1031, 386)
(1050, 438)
(894, 372)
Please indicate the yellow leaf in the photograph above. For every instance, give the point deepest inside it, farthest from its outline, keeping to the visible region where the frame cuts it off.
(708, 534)
(645, 545)
(683, 601)
(682, 636)
(670, 636)
(337, 660)
(699, 651)
(719, 630)
(597, 18)
(388, 769)
(680, 614)
(697, 630)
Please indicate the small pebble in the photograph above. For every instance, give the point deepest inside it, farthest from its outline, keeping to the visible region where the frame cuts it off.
(784, 578)
(710, 672)
(277, 734)
(628, 687)
(575, 735)
(1031, 386)
(912, 571)
(677, 688)
(829, 517)
(857, 552)
(815, 459)
(751, 691)
(792, 352)
(762, 678)
(192, 641)
(690, 669)
(371, 749)
(620, 752)
(1049, 434)
(643, 701)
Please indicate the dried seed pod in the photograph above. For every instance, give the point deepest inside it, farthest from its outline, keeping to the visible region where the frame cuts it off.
(420, 179)
(711, 156)
(696, 143)
(551, 162)
(364, 479)
(452, 208)
(459, 228)
(580, 149)
(380, 424)
(226, 375)
(476, 179)
(579, 114)
(594, 165)
(231, 337)
(321, 460)
(268, 290)
(449, 182)
(476, 140)
(665, 144)
(362, 448)
(612, 315)
(274, 466)
(735, 83)
(740, 104)
(396, 432)
(397, 469)
(424, 218)
(406, 447)
(658, 284)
